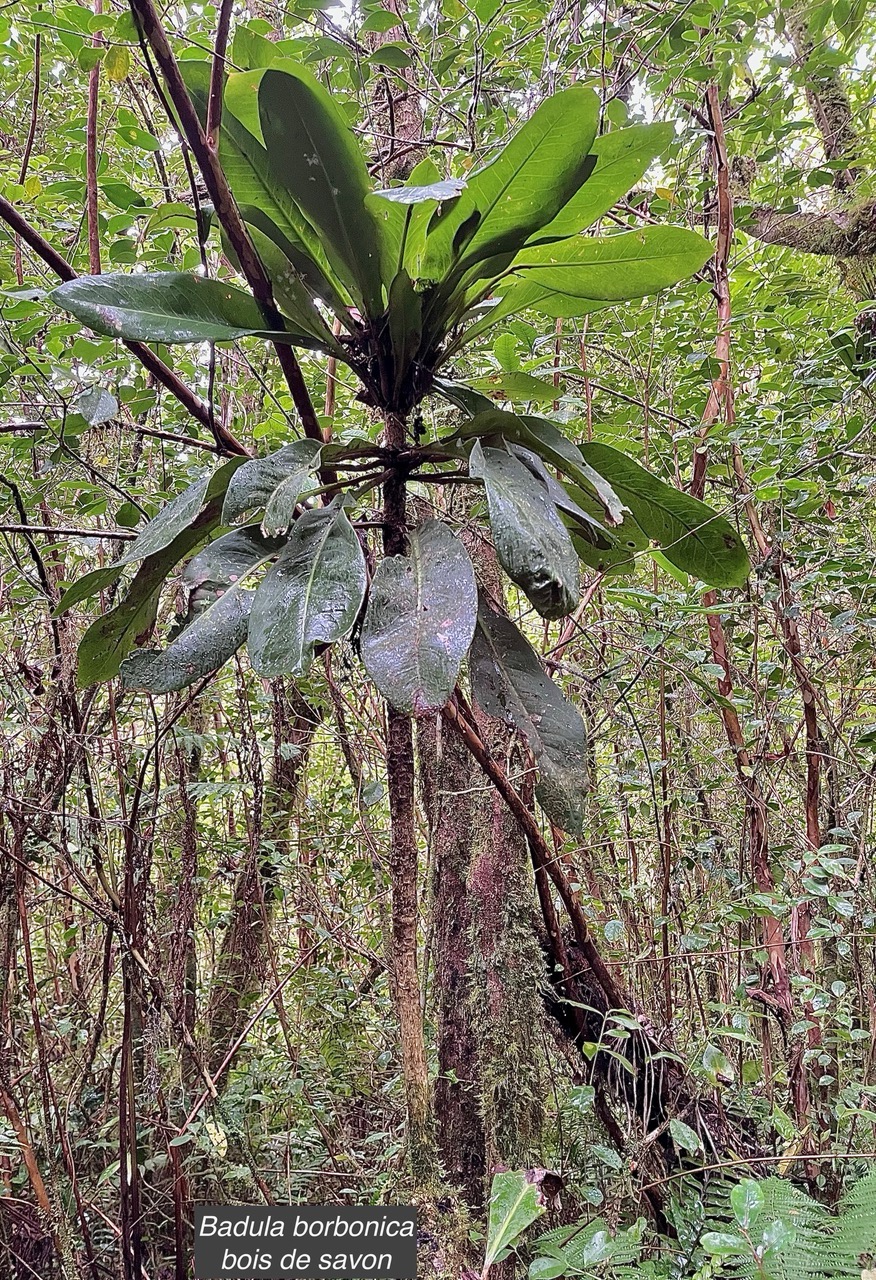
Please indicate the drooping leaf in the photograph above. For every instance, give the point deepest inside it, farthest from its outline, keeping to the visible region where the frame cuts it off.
(113, 635)
(515, 1204)
(275, 483)
(583, 521)
(690, 534)
(420, 620)
(311, 596)
(615, 268)
(622, 158)
(509, 682)
(532, 543)
(219, 609)
(313, 153)
(162, 531)
(524, 188)
(168, 306)
(544, 438)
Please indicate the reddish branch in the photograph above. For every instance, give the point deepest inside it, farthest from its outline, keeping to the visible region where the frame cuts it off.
(147, 17)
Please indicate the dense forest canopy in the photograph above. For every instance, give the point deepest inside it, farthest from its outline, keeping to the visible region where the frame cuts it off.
(436, 501)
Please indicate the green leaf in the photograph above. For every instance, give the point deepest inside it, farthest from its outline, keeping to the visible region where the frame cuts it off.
(746, 1201)
(615, 268)
(405, 327)
(514, 1205)
(262, 198)
(509, 682)
(112, 636)
(532, 543)
(547, 1268)
(275, 483)
(311, 596)
(161, 532)
(685, 1138)
(421, 615)
(524, 188)
(291, 292)
(622, 158)
(690, 534)
(97, 405)
(219, 610)
(542, 437)
(167, 306)
(517, 386)
(313, 153)
(722, 1244)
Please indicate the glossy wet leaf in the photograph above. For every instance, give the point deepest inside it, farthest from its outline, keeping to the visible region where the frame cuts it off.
(615, 268)
(515, 1203)
(312, 152)
(509, 682)
(219, 608)
(274, 483)
(160, 533)
(689, 533)
(523, 188)
(420, 620)
(311, 595)
(97, 406)
(532, 543)
(167, 306)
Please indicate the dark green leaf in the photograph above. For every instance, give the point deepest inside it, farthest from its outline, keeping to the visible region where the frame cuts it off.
(532, 543)
(509, 682)
(219, 610)
(313, 153)
(311, 596)
(420, 620)
(161, 532)
(167, 306)
(275, 483)
(245, 162)
(690, 534)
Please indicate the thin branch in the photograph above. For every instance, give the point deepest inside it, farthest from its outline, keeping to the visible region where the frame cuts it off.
(120, 535)
(217, 75)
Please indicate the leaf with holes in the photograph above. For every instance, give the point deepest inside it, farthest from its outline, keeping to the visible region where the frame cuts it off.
(420, 620)
(509, 682)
